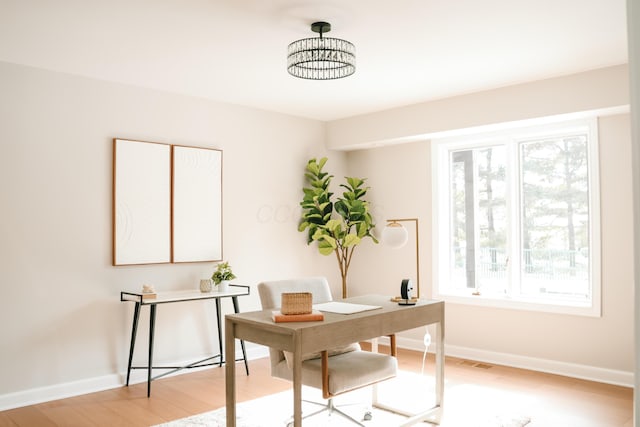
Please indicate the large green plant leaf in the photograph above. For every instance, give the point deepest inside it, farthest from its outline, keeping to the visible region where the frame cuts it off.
(336, 226)
(351, 240)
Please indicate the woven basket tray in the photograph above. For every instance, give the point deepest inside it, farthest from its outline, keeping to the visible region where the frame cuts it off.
(296, 303)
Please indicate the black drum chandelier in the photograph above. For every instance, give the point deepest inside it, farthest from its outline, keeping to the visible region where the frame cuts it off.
(321, 58)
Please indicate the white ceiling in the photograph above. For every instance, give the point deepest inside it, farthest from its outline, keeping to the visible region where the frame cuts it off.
(234, 51)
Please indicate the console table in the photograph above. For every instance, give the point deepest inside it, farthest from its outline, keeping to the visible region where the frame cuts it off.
(334, 331)
(174, 297)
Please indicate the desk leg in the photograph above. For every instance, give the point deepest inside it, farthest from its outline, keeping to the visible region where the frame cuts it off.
(134, 332)
(297, 386)
(152, 326)
(236, 309)
(439, 365)
(374, 388)
(230, 373)
(219, 320)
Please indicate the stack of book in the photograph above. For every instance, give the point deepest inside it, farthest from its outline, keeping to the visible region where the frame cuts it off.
(314, 316)
(148, 292)
(297, 307)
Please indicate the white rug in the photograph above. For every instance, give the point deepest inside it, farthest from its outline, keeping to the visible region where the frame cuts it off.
(464, 407)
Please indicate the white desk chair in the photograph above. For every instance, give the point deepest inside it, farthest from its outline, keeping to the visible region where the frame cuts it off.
(335, 371)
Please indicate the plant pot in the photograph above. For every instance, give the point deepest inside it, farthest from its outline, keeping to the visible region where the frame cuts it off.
(223, 286)
(206, 285)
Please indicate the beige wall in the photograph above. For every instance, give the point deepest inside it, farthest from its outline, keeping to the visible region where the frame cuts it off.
(60, 313)
(600, 348)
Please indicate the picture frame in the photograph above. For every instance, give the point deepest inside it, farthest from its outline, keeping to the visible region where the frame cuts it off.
(167, 203)
(141, 202)
(197, 207)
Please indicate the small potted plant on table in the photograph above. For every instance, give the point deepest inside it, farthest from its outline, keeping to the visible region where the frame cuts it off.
(222, 276)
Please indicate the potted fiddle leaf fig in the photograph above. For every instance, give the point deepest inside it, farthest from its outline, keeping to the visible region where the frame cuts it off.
(338, 227)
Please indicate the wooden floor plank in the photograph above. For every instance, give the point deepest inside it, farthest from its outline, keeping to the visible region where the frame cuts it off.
(68, 416)
(29, 416)
(6, 421)
(101, 415)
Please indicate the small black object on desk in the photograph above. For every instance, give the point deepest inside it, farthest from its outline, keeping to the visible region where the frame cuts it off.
(405, 293)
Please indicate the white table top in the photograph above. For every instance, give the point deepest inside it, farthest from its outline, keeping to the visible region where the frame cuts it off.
(183, 295)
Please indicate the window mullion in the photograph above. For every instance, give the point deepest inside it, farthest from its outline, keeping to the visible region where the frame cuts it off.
(514, 206)
(476, 216)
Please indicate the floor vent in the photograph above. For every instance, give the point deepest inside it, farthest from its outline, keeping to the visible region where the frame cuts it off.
(482, 366)
(475, 364)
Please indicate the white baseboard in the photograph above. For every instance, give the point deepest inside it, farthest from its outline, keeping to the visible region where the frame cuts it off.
(574, 370)
(58, 391)
(91, 385)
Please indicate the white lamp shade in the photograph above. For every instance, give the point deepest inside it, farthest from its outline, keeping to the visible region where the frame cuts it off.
(394, 235)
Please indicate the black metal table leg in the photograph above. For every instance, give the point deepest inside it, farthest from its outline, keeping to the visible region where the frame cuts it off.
(152, 326)
(219, 320)
(236, 309)
(138, 299)
(134, 331)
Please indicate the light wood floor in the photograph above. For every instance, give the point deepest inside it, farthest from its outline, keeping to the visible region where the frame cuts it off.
(550, 400)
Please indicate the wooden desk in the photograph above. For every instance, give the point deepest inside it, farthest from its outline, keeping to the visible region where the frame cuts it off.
(173, 297)
(336, 330)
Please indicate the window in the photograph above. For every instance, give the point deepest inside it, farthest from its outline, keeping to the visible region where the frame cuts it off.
(516, 219)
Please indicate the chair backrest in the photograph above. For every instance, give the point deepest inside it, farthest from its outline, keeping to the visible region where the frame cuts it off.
(271, 292)
(271, 296)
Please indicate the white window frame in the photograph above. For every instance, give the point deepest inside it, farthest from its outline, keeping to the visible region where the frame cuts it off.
(440, 149)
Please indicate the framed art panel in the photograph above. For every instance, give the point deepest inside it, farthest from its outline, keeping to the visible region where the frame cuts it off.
(141, 202)
(197, 204)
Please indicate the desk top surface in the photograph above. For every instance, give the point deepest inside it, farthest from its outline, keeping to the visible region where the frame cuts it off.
(387, 307)
(336, 329)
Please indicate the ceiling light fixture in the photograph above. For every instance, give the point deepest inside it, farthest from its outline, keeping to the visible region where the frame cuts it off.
(321, 58)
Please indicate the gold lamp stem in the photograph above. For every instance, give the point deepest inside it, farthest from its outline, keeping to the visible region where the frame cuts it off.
(394, 223)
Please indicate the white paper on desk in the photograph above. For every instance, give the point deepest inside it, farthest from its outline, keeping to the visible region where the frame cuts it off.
(344, 307)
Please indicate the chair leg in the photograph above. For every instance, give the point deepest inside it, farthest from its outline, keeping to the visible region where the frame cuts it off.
(323, 407)
(334, 408)
(331, 407)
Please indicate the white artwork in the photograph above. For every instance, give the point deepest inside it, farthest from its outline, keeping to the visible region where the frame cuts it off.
(197, 210)
(142, 197)
(151, 183)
